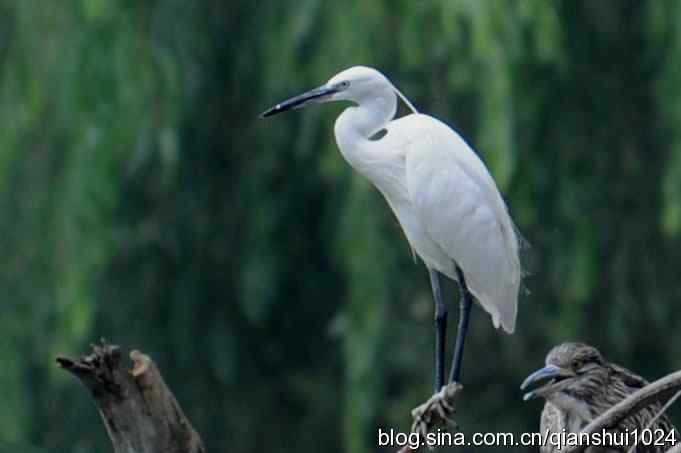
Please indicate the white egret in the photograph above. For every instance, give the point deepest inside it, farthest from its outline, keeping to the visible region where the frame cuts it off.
(442, 194)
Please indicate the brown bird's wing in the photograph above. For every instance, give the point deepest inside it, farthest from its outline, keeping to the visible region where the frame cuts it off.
(628, 377)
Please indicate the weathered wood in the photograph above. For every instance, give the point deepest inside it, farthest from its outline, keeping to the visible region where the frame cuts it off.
(140, 413)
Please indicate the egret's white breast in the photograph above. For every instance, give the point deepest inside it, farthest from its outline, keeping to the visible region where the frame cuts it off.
(383, 163)
(446, 202)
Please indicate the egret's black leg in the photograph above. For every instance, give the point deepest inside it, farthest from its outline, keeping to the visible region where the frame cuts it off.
(466, 300)
(441, 329)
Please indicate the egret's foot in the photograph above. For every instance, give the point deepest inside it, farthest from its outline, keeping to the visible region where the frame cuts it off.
(439, 409)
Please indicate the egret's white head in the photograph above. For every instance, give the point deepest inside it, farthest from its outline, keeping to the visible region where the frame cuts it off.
(356, 84)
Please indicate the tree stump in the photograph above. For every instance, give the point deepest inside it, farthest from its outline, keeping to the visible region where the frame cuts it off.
(140, 413)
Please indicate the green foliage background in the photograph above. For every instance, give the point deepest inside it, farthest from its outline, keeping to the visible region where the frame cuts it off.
(143, 201)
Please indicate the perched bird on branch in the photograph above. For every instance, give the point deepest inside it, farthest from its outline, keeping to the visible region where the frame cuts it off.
(446, 201)
(579, 384)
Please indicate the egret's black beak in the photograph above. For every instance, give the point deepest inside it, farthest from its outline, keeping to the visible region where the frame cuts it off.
(542, 377)
(316, 95)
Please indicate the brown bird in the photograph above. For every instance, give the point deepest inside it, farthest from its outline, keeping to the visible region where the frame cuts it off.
(579, 384)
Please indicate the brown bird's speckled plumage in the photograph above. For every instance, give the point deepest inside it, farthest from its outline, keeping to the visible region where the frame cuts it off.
(578, 385)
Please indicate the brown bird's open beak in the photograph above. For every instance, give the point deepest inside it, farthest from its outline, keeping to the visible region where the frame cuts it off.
(542, 379)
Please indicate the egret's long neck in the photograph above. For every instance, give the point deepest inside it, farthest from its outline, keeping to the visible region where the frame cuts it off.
(357, 124)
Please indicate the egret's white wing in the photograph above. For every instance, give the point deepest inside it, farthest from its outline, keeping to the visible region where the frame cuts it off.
(460, 207)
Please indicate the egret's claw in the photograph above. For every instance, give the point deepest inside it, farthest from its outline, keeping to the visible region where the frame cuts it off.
(439, 409)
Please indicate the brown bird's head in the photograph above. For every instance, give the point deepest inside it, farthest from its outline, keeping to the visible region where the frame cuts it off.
(573, 372)
(578, 384)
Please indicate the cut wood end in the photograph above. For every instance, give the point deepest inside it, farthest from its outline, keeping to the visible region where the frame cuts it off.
(65, 362)
(136, 406)
(140, 362)
(73, 366)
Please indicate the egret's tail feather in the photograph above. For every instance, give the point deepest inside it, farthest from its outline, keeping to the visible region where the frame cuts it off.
(503, 315)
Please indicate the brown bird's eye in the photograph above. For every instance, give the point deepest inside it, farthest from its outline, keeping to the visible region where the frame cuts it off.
(577, 364)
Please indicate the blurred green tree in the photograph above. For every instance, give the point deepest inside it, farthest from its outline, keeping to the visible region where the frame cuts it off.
(143, 201)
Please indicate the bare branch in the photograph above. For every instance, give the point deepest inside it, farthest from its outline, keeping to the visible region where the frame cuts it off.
(675, 449)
